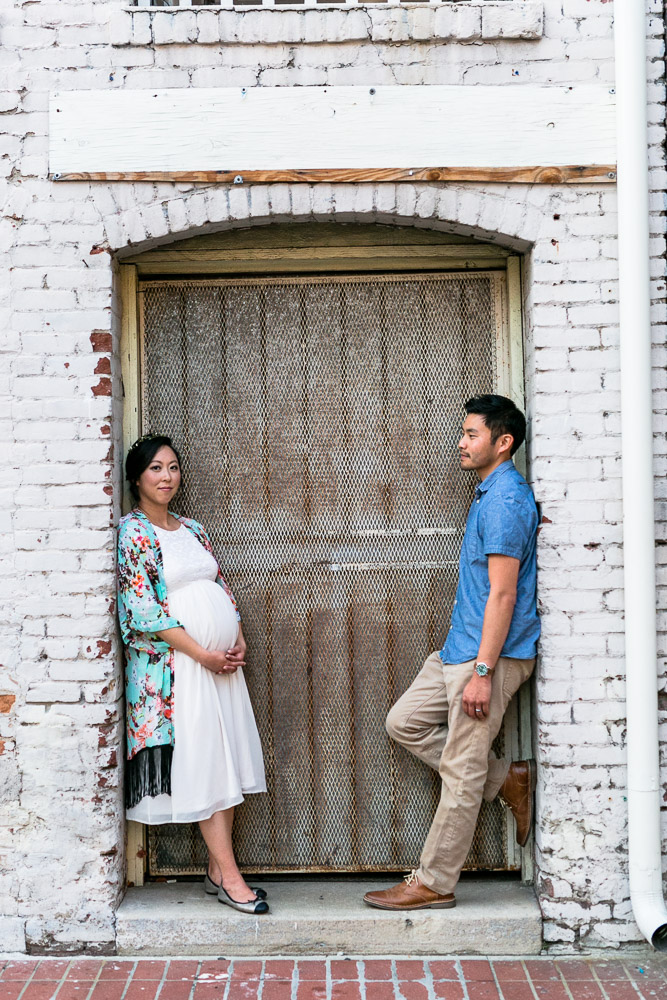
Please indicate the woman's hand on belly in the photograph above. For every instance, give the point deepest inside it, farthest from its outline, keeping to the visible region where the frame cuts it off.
(236, 654)
(218, 662)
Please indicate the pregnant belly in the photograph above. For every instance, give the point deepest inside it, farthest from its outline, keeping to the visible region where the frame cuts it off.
(207, 614)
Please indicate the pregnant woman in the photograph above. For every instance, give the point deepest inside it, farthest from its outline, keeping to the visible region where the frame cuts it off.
(192, 743)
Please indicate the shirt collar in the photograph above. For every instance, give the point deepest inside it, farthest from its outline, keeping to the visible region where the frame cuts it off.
(496, 474)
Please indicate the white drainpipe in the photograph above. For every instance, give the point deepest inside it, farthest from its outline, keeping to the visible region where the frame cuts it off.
(637, 452)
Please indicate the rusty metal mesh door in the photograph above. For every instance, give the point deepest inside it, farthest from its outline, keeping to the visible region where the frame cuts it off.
(318, 420)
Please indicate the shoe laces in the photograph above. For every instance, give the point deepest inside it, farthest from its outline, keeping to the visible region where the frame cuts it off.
(412, 877)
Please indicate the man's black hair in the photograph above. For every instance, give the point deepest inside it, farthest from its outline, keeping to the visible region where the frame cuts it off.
(140, 456)
(501, 416)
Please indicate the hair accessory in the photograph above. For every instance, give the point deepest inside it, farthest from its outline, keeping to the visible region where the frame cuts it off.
(144, 437)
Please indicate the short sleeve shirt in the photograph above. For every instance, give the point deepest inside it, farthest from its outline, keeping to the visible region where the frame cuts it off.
(503, 520)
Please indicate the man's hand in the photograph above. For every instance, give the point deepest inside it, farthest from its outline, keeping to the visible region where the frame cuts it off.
(477, 696)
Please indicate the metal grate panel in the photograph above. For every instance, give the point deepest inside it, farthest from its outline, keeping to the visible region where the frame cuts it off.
(318, 420)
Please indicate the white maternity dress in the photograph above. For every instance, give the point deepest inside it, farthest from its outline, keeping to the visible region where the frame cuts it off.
(217, 753)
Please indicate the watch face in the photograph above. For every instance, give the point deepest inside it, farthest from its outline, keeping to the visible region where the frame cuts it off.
(482, 669)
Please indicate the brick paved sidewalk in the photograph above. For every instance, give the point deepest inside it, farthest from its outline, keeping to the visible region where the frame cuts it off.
(333, 979)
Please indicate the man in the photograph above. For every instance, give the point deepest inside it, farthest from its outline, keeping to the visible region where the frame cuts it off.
(454, 709)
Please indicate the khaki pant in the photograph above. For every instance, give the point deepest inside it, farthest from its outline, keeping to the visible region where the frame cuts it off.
(429, 721)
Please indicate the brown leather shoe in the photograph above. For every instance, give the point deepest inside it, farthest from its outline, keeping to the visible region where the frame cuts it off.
(517, 793)
(410, 894)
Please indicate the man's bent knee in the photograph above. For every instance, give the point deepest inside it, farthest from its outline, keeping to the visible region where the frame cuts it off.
(395, 723)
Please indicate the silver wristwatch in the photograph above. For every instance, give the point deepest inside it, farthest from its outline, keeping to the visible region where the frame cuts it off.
(482, 669)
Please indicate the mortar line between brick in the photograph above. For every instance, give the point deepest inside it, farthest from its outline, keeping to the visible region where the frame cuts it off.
(295, 980)
(195, 979)
(394, 979)
(95, 980)
(62, 980)
(462, 978)
(230, 973)
(327, 976)
(563, 980)
(361, 976)
(495, 979)
(632, 980)
(260, 984)
(599, 982)
(529, 978)
(129, 979)
(164, 976)
(29, 980)
(428, 979)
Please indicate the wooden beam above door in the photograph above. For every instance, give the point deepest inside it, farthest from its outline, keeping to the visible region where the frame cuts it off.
(486, 134)
(323, 247)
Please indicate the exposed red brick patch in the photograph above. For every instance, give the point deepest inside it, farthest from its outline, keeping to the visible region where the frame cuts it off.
(108, 490)
(111, 760)
(6, 702)
(99, 248)
(2, 747)
(103, 366)
(103, 647)
(101, 341)
(103, 387)
(105, 430)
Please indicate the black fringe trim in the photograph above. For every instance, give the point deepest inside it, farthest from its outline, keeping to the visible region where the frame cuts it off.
(148, 773)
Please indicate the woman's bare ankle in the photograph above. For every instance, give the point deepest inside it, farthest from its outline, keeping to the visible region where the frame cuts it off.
(214, 872)
(237, 887)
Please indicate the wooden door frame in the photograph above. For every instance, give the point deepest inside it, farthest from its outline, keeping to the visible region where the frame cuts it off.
(267, 250)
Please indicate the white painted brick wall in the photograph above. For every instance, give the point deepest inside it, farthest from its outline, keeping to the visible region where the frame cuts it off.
(61, 407)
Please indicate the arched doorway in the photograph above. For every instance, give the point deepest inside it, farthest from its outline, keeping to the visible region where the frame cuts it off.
(314, 377)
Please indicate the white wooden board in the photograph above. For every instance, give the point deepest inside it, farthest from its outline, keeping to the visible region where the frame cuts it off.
(329, 128)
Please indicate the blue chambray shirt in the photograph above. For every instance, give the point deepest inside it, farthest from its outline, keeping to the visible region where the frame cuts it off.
(502, 521)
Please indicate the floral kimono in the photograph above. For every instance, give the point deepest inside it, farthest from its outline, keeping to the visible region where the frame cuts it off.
(149, 670)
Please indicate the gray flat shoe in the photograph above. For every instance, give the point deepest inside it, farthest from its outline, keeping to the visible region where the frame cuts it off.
(254, 906)
(212, 889)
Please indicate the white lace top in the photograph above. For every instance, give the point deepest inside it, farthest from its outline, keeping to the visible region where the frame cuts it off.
(185, 559)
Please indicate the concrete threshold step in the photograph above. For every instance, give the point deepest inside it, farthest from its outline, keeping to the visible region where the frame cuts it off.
(328, 918)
